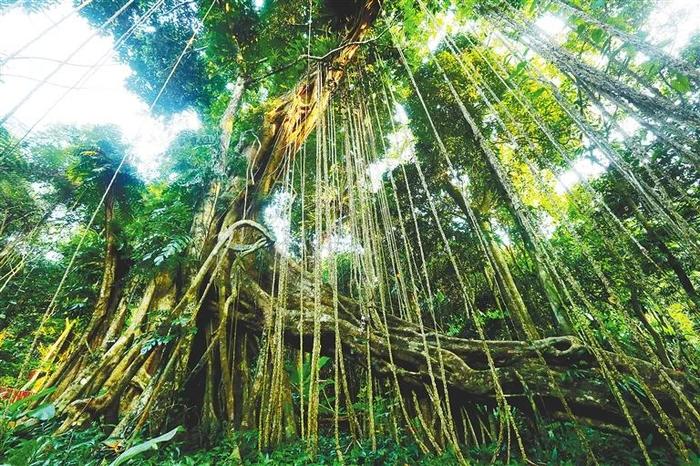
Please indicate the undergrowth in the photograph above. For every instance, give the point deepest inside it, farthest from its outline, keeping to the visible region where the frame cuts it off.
(38, 445)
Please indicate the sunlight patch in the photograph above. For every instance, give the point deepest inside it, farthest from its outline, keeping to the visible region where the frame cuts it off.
(342, 243)
(277, 220)
(583, 169)
(100, 96)
(502, 235)
(673, 23)
(446, 23)
(554, 26)
(402, 149)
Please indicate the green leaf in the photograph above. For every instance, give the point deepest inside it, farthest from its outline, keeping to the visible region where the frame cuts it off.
(681, 83)
(530, 8)
(537, 93)
(518, 70)
(322, 361)
(151, 444)
(23, 453)
(649, 440)
(44, 412)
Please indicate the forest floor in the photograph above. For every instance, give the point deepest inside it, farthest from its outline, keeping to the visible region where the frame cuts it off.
(40, 446)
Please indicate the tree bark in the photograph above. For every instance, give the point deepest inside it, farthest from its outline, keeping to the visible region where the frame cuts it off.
(109, 276)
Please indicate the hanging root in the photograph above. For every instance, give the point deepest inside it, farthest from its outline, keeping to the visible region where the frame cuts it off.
(565, 360)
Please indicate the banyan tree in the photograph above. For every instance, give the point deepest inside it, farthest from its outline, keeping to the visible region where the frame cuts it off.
(378, 244)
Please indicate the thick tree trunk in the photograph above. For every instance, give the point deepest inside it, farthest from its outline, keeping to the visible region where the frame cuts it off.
(659, 344)
(74, 362)
(106, 298)
(164, 368)
(510, 291)
(538, 256)
(512, 295)
(675, 265)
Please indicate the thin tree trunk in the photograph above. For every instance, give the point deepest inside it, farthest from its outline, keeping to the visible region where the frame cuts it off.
(659, 346)
(504, 277)
(672, 261)
(512, 296)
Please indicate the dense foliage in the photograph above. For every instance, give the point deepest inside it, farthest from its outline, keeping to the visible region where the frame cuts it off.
(407, 232)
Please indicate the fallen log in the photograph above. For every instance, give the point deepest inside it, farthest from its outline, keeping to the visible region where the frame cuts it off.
(547, 371)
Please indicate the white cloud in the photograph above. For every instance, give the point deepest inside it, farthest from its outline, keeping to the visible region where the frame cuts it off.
(101, 98)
